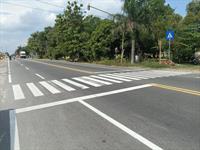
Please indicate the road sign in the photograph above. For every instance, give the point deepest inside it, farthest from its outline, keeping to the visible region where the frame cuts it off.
(170, 35)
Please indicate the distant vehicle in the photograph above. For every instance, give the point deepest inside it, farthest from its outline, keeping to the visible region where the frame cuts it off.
(22, 54)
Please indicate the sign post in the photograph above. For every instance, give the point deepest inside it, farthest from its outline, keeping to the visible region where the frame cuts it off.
(169, 37)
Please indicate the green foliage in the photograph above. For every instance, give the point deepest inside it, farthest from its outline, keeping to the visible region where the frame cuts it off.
(89, 38)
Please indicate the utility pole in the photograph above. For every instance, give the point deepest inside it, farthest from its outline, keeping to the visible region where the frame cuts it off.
(160, 50)
(133, 52)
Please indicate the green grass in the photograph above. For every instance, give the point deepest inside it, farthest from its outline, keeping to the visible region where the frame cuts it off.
(149, 64)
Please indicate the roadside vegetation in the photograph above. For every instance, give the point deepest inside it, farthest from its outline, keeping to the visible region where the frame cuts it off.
(76, 37)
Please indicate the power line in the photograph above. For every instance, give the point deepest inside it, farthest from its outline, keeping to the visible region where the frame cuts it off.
(51, 4)
(25, 6)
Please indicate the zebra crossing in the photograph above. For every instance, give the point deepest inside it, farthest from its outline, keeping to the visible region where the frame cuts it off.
(43, 88)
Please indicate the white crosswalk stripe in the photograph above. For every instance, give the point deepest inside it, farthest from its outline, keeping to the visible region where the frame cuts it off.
(34, 90)
(62, 85)
(122, 76)
(49, 87)
(112, 77)
(18, 93)
(106, 79)
(96, 80)
(76, 84)
(87, 82)
(133, 75)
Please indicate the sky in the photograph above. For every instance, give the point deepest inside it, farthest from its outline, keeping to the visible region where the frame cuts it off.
(18, 22)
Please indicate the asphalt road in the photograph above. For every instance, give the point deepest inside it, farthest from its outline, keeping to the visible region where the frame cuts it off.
(73, 106)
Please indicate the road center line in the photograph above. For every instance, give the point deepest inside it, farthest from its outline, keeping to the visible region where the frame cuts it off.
(9, 72)
(40, 76)
(172, 88)
(122, 127)
(52, 104)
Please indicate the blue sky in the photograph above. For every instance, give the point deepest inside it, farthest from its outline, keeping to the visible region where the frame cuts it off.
(17, 23)
(179, 5)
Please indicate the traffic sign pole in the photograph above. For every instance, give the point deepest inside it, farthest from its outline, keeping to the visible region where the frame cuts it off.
(169, 49)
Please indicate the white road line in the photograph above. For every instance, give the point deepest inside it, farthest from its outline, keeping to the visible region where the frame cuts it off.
(18, 93)
(87, 82)
(66, 101)
(34, 90)
(49, 87)
(106, 79)
(9, 72)
(62, 85)
(16, 142)
(14, 135)
(133, 75)
(122, 76)
(21, 64)
(40, 76)
(197, 77)
(123, 127)
(96, 80)
(114, 71)
(75, 84)
(112, 77)
(27, 68)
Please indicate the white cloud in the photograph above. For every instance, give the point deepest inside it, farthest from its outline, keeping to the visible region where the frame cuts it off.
(17, 22)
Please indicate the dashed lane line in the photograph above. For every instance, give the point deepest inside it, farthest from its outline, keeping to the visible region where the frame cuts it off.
(40, 76)
(27, 68)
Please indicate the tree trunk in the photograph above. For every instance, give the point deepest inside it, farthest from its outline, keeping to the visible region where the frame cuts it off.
(122, 52)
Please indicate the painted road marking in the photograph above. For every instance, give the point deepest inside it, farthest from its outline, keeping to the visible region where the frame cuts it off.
(75, 84)
(62, 102)
(133, 75)
(87, 82)
(97, 80)
(62, 85)
(40, 76)
(49, 87)
(27, 68)
(14, 135)
(197, 93)
(9, 72)
(123, 127)
(107, 79)
(122, 76)
(34, 90)
(18, 93)
(112, 77)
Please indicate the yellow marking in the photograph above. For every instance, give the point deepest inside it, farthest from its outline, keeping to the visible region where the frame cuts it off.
(63, 67)
(197, 93)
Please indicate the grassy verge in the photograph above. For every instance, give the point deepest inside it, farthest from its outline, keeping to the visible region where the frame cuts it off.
(150, 64)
